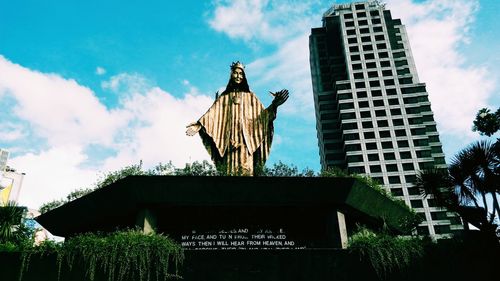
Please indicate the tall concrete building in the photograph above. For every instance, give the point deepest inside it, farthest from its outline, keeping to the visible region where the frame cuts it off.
(373, 115)
(4, 155)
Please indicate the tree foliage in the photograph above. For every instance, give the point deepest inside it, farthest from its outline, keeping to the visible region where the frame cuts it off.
(486, 122)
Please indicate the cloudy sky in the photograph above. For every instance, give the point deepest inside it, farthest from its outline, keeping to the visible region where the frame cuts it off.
(91, 86)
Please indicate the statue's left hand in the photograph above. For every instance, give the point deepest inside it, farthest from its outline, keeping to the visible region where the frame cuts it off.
(280, 97)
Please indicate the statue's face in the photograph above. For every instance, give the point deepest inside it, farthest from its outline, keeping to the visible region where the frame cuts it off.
(237, 75)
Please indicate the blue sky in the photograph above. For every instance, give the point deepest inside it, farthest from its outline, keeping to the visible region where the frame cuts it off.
(91, 86)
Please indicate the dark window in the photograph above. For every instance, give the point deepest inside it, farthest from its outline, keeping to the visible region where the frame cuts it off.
(365, 114)
(412, 179)
(354, 158)
(439, 160)
(357, 66)
(372, 74)
(418, 132)
(389, 82)
(405, 155)
(349, 23)
(327, 116)
(398, 54)
(379, 37)
(391, 92)
(352, 40)
(400, 133)
(371, 145)
(361, 14)
(351, 137)
(355, 57)
(366, 39)
(425, 165)
(354, 49)
(358, 75)
(439, 216)
(387, 72)
(369, 56)
(364, 30)
(371, 65)
(326, 107)
(361, 94)
(359, 84)
(433, 139)
(345, 116)
(389, 156)
(403, 71)
(363, 22)
(421, 142)
(403, 143)
(348, 16)
(413, 190)
(424, 154)
(384, 134)
(374, 13)
(375, 169)
(383, 123)
(377, 29)
(405, 80)
(385, 63)
(416, 203)
(394, 179)
(397, 122)
(412, 90)
(353, 147)
(436, 149)
(367, 124)
(351, 32)
(374, 83)
(344, 96)
(396, 111)
(348, 105)
(391, 168)
(393, 102)
(367, 48)
(383, 55)
(376, 93)
(387, 144)
(442, 229)
(397, 191)
(363, 104)
(373, 157)
(400, 63)
(408, 166)
(369, 135)
(379, 113)
(376, 21)
(356, 170)
(359, 6)
(349, 126)
(423, 230)
(378, 103)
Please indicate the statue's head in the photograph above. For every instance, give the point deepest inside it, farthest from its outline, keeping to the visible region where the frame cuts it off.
(238, 79)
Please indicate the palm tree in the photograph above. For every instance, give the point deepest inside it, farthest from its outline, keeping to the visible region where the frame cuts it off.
(472, 175)
(10, 218)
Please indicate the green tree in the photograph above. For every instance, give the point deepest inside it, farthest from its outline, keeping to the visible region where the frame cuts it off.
(487, 123)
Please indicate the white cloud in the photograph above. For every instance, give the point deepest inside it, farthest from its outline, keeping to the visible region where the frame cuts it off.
(10, 132)
(269, 21)
(147, 124)
(100, 71)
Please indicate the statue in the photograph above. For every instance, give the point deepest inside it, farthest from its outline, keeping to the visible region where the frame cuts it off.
(237, 130)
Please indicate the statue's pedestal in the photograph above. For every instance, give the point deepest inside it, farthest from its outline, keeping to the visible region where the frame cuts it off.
(231, 213)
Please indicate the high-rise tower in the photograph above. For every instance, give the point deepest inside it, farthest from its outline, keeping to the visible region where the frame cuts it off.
(372, 113)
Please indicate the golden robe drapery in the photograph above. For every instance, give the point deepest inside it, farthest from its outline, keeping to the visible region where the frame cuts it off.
(237, 132)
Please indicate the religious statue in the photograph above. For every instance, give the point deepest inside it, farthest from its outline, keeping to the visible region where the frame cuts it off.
(237, 130)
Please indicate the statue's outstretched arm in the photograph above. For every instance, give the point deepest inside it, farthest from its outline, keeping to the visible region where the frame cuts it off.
(279, 97)
(193, 128)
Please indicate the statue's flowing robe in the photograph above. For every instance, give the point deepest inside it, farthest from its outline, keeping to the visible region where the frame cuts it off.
(237, 132)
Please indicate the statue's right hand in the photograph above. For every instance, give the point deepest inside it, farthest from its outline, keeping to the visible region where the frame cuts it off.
(193, 128)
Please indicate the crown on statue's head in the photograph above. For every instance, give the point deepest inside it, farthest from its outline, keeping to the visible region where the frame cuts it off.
(237, 64)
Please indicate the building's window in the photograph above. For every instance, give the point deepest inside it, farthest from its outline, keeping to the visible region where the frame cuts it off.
(412, 179)
(373, 157)
(366, 39)
(387, 72)
(353, 147)
(327, 116)
(367, 124)
(381, 46)
(375, 169)
(355, 57)
(383, 55)
(427, 118)
(351, 136)
(403, 71)
(405, 80)
(379, 180)
(433, 139)
(439, 161)
(438, 215)
(359, 6)
(352, 40)
(378, 102)
(400, 63)
(349, 126)
(362, 22)
(348, 105)
(349, 23)
(369, 135)
(371, 145)
(391, 168)
(358, 75)
(394, 179)
(361, 94)
(391, 92)
(346, 116)
(328, 126)
(348, 16)
(397, 122)
(369, 56)
(326, 107)
(372, 74)
(423, 230)
(379, 37)
(384, 134)
(374, 13)
(397, 191)
(408, 167)
(416, 203)
(344, 96)
(367, 48)
(424, 154)
(400, 54)
(383, 123)
(425, 165)
(405, 155)
(385, 63)
(413, 190)
(421, 142)
(393, 101)
(387, 144)
(363, 104)
(395, 111)
(403, 143)
(389, 82)
(374, 83)
(357, 66)
(351, 32)
(380, 113)
(354, 158)
(411, 90)
(377, 29)
(356, 170)
(389, 156)
(400, 133)
(436, 149)
(360, 84)
(371, 65)
(364, 30)
(335, 146)
(442, 229)
(418, 132)
(343, 87)
(354, 49)
(325, 97)
(365, 114)
(376, 93)
(361, 14)
(376, 21)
